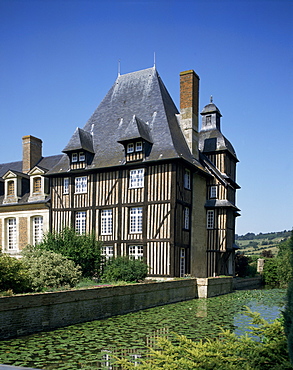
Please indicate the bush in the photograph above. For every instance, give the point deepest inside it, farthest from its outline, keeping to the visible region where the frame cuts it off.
(49, 270)
(14, 275)
(124, 269)
(84, 250)
(241, 264)
(266, 351)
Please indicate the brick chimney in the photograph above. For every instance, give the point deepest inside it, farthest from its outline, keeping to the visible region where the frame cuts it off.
(31, 152)
(189, 96)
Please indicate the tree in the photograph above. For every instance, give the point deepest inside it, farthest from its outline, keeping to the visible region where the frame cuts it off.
(288, 313)
(241, 264)
(84, 249)
(267, 253)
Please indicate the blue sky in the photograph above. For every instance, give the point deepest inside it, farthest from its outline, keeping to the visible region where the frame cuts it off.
(58, 59)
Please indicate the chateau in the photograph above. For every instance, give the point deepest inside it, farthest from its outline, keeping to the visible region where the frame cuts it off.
(141, 175)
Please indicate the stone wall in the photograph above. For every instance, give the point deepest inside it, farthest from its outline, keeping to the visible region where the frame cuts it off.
(211, 287)
(27, 314)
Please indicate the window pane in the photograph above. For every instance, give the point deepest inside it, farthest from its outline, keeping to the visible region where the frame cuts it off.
(186, 218)
(81, 184)
(74, 157)
(106, 222)
(210, 219)
(213, 192)
(138, 146)
(187, 179)
(107, 251)
(38, 229)
(136, 252)
(66, 185)
(11, 233)
(130, 148)
(10, 188)
(37, 185)
(81, 157)
(136, 178)
(136, 220)
(80, 222)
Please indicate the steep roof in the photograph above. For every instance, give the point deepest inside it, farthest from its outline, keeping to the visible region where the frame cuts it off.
(138, 103)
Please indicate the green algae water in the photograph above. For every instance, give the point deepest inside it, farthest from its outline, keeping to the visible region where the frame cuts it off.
(92, 345)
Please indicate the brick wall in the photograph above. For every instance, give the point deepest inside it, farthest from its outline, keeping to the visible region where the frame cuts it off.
(23, 232)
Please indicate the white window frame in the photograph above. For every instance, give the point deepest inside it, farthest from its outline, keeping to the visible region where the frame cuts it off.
(210, 219)
(187, 179)
(11, 234)
(130, 148)
(136, 178)
(38, 229)
(186, 218)
(107, 251)
(66, 185)
(106, 221)
(135, 252)
(81, 184)
(74, 157)
(80, 222)
(136, 220)
(213, 192)
(81, 157)
(138, 146)
(182, 262)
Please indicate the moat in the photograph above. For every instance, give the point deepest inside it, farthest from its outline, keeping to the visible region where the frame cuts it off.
(90, 345)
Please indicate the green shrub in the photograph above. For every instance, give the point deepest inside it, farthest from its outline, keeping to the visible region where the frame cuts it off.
(124, 269)
(14, 275)
(49, 269)
(266, 350)
(84, 250)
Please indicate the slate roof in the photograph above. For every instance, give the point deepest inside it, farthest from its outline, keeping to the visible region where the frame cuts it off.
(138, 103)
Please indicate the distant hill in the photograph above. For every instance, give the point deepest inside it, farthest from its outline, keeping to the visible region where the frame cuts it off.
(254, 244)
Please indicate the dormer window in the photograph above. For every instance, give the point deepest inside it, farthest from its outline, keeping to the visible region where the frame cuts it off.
(81, 157)
(130, 148)
(37, 185)
(74, 157)
(10, 188)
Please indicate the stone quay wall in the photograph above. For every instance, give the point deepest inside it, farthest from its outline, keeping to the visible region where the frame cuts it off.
(31, 313)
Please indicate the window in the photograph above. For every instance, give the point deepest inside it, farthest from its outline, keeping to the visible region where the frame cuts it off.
(138, 146)
(10, 188)
(130, 148)
(210, 219)
(186, 218)
(136, 252)
(107, 251)
(66, 185)
(80, 222)
(37, 185)
(11, 233)
(182, 262)
(213, 192)
(136, 220)
(106, 222)
(187, 182)
(74, 157)
(208, 119)
(37, 229)
(81, 157)
(136, 178)
(81, 184)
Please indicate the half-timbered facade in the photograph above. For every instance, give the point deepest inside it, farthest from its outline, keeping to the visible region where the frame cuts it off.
(147, 182)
